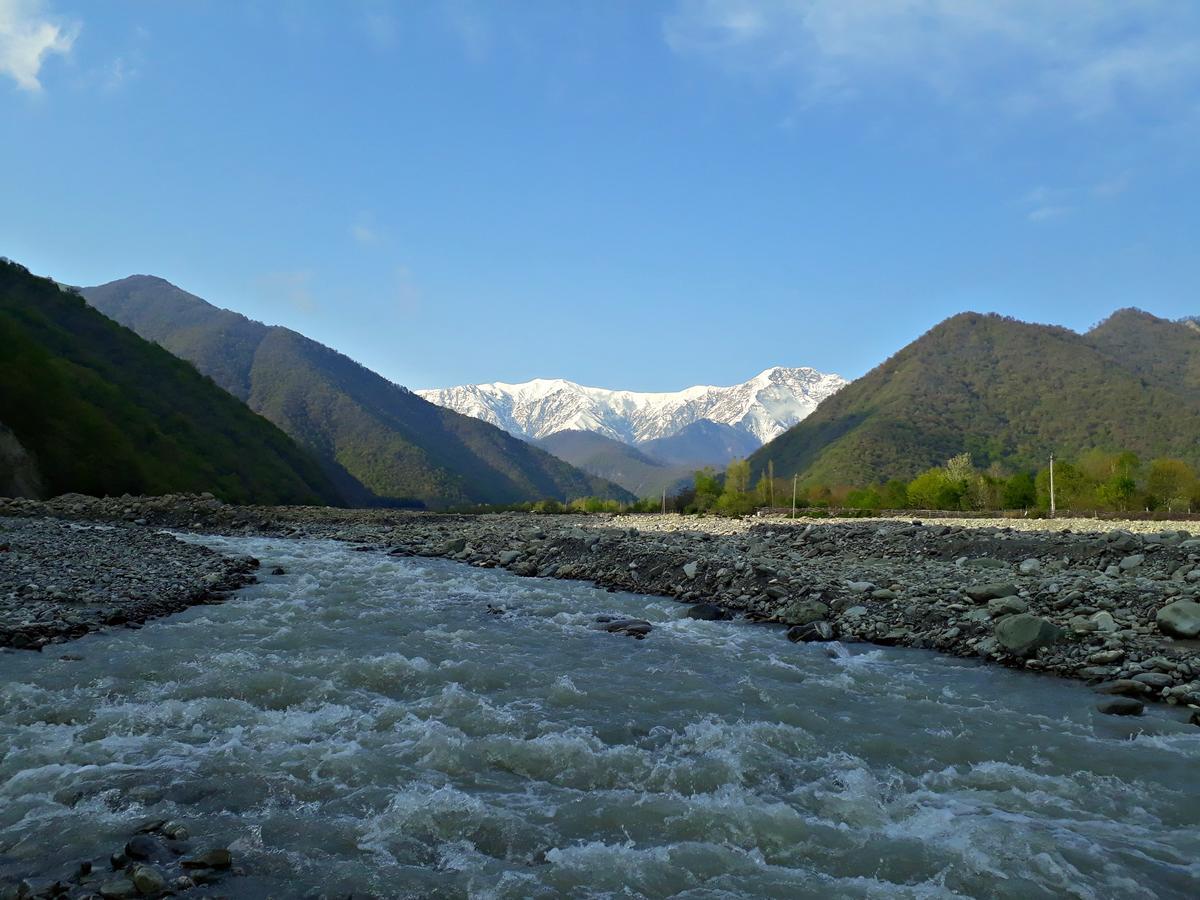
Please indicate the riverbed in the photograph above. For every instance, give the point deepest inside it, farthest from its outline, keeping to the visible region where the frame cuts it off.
(419, 728)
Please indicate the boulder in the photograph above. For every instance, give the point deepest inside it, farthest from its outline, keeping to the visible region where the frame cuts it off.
(212, 859)
(802, 612)
(1179, 619)
(690, 569)
(709, 612)
(1024, 634)
(1006, 606)
(1132, 561)
(148, 880)
(813, 631)
(1121, 706)
(981, 593)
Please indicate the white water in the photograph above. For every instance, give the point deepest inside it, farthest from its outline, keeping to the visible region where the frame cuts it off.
(364, 724)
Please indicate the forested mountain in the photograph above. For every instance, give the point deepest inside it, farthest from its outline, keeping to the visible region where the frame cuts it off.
(381, 443)
(1004, 391)
(1159, 350)
(618, 462)
(88, 406)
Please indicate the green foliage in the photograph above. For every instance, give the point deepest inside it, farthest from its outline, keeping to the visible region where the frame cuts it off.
(1019, 492)
(102, 411)
(934, 489)
(1171, 483)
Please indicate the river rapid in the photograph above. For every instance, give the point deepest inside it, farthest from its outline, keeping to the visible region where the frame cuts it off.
(366, 724)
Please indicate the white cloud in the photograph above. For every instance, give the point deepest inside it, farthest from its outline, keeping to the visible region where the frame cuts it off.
(364, 230)
(27, 36)
(1087, 56)
(295, 288)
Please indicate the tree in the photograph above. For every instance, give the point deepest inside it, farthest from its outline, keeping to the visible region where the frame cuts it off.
(1170, 482)
(894, 495)
(1019, 492)
(934, 489)
(1070, 485)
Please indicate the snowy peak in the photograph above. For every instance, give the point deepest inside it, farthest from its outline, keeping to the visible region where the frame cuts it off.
(764, 407)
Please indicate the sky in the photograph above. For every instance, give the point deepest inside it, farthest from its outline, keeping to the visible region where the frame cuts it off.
(627, 194)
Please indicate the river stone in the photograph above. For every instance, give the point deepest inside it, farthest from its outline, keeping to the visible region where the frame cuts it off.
(1006, 606)
(1179, 619)
(117, 889)
(148, 880)
(1121, 706)
(1154, 679)
(1123, 686)
(1132, 561)
(708, 612)
(802, 612)
(142, 846)
(508, 556)
(220, 858)
(1024, 634)
(1030, 566)
(813, 631)
(992, 591)
(690, 569)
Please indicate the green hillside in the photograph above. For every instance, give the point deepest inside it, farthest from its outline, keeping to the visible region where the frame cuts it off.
(88, 406)
(1159, 350)
(381, 443)
(1002, 390)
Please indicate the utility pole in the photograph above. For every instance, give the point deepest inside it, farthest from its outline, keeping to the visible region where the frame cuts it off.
(1052, 485)
(664, 506)
(795, 478)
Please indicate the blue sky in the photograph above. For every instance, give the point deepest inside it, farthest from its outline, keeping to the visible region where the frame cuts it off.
(627, 194)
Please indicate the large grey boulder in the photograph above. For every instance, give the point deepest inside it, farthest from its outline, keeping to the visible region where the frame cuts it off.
(1024, 634)
(1179, 619)
(802, 612)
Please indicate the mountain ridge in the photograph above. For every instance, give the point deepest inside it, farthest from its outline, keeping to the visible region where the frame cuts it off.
(88, 406)
(380, 442)
(763, 406)
(1005, 391)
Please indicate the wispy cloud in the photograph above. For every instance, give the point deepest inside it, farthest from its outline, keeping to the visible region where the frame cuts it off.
(292, 287)
(28, 34)
(407, 295)
(1085, 56)
(470, 26)
(1044, 204)
(364, 230)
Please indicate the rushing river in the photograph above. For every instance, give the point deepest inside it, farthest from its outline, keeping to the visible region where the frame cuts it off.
(364, 723)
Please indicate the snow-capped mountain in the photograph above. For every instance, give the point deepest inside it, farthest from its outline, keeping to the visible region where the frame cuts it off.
(765, 406)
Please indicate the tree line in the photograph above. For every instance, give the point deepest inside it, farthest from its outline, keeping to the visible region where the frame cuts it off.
(1096, 480)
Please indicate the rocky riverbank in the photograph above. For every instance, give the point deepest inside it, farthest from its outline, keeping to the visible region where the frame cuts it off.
(60, 580)
(1116, 607)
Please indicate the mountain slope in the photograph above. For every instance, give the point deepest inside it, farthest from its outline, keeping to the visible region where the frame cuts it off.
(380, 442)
(616, 461)
(88, 406)
(1003, 390)
(763, 407)
(703, 443)
(1157, 349)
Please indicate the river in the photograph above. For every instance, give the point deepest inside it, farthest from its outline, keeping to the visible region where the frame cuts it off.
(366, 724)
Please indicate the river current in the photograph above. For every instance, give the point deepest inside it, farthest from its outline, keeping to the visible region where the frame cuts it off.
(366, 724)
